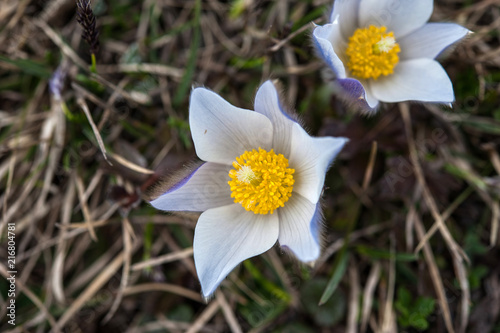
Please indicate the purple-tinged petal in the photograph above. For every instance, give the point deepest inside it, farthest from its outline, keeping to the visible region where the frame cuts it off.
(421, 79)
(221, 132)
(316, 225)
(311, 158)
(206, 187)
(399, 16)
(56, 82)
(354, 92)
(327, 42)
(297, 231)
(226, 236)
(430, 40)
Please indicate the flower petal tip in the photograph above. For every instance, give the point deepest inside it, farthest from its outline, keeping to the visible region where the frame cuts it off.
(208, 292)
(221, 131)
(340, 143)
(208, 297)
(311, 264)
(197, 89)
(226, 236)
(344, 140)
(309, 259)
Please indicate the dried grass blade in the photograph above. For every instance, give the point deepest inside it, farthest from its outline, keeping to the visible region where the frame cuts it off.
(10, 177)
(164, 259)
(56, 130)
(171, 243)
(21, 8)
(94, 182)
(130, 165)
(447, 213)
(285, 278)
(465, 301)
(90, 291)
(353, 312)
(409, 229)
(156, 69)
(337, 245)
(22, 288)
(62, 245)
(85, 208)
(127, 249)
(97, 266)
(431, 203)
(368, 292)
(456, 251)
(495, 220)
(205, 316)
(28, 187)
(228, 313)
(369, 168)
(435, 276)
(98, 137)
(280, 43)
(85, 224)
(68, 51)
(387, 323)
(170, 288)
(477, 182)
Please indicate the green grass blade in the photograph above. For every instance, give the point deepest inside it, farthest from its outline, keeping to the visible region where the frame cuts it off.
(339, 269)
(29, 67)
(185, 84)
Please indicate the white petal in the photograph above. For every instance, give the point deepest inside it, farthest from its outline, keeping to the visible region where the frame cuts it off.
(415, 80)
(327, 42)
(221, 132)
(298, 228)
(207, 187)
(267, 103)
(346, 14)
(370, 98)
(226, 236)
(430, 40)
(399, 16)
(311, 157)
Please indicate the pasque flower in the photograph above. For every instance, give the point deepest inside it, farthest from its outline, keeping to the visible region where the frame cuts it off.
(384, 50)
(260, 182)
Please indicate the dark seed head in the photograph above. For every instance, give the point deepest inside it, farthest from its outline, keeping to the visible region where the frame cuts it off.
(86, 18)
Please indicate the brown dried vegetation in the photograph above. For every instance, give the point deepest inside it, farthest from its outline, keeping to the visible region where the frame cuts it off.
(412, 202)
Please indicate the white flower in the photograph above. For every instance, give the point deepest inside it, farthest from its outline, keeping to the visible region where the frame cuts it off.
(384, 50)
(260, 183)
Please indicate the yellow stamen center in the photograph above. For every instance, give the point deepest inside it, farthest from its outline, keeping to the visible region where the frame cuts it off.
(261, 181)
(372, 52)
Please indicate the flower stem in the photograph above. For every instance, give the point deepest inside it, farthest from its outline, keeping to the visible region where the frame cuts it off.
(93, 66)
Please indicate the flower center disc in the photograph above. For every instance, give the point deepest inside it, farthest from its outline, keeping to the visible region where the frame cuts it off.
(261, 181)
(372, 52)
